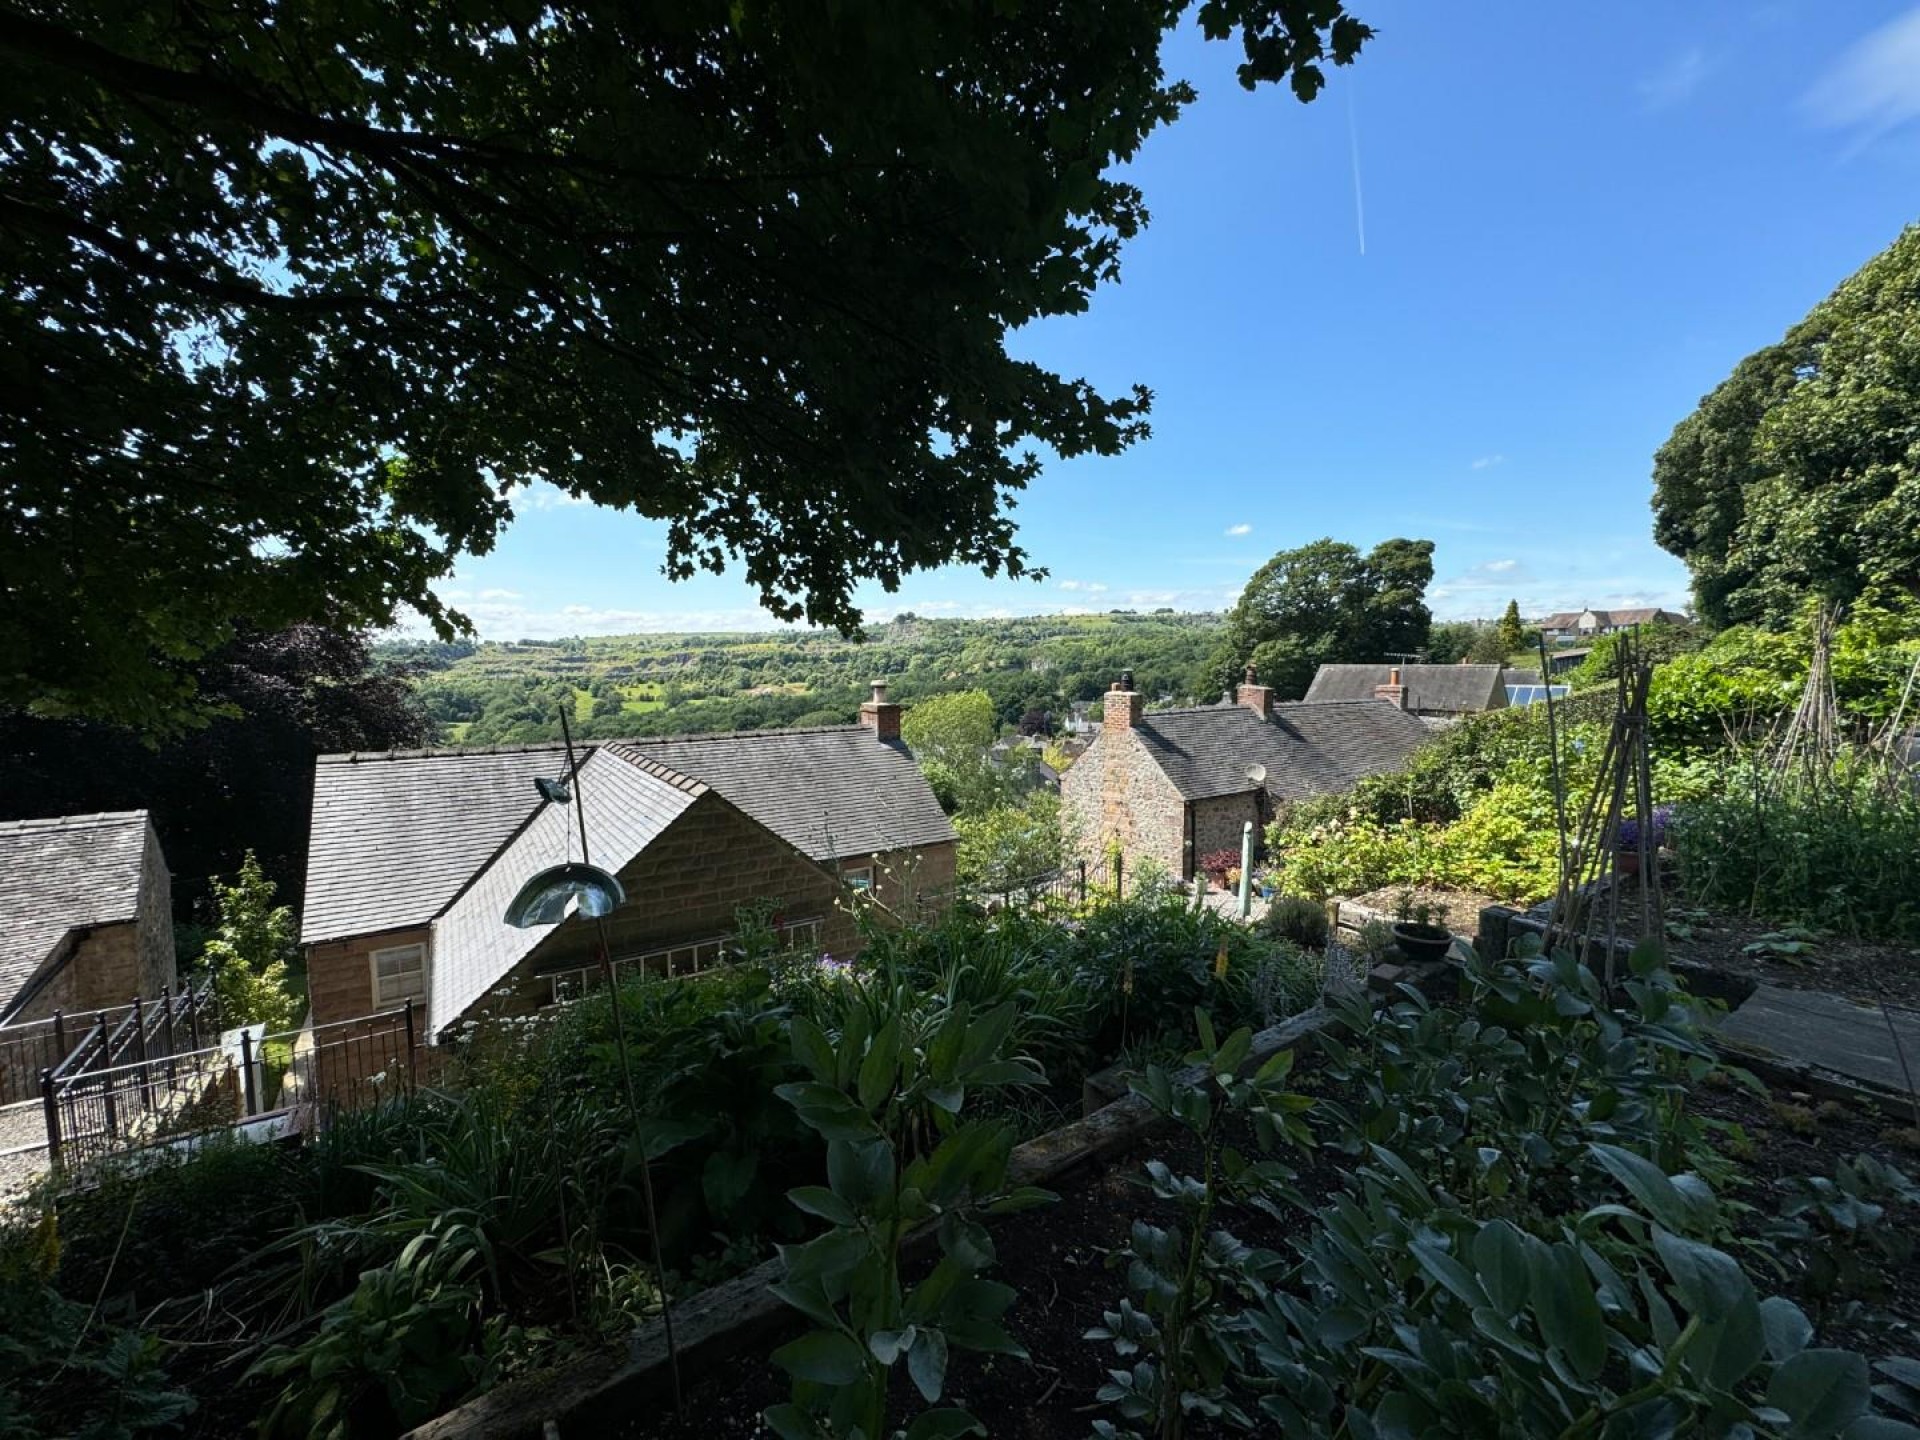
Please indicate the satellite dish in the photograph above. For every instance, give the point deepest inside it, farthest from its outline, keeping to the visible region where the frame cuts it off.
(1257, 775)
(554, 792)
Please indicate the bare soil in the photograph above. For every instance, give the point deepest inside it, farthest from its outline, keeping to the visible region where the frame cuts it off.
(1758, 950)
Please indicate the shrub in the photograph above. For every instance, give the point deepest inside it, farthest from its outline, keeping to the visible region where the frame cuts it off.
(1838, 853)
(1216, 864)
(1298, 920)
(1001, 847)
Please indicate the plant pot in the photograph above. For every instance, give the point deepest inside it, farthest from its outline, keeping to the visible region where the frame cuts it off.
(1626, 862)
(1422, 942)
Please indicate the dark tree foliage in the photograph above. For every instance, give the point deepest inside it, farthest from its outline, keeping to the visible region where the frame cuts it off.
(298, 294)
(1799, 475)
(243, 781)
(1326, 603)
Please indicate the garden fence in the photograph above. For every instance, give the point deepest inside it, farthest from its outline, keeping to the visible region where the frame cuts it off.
(32, 1047)
(103, 1100)
(1077, 883)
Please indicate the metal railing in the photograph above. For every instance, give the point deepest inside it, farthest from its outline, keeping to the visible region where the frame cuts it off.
(32, 1047)
(680, 962)
(100, 1103)
(1076, 883)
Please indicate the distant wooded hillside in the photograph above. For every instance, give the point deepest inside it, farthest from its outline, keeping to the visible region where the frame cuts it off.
(502, 692)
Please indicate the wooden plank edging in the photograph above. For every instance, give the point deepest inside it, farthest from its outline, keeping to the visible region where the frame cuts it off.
(738, 1315)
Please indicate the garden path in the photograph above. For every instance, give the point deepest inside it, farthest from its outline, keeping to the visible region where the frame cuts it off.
(1860, 1042)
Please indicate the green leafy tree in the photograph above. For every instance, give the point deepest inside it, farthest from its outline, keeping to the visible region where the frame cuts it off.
(1489, 646)
(297, 298)
(951, 735)
(253, 951)
(1008, 844)
(1798, 475)
(1513, 631)
(1325, 603)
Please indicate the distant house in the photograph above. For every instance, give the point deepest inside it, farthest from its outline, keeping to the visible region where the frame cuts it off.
(416, 854)
(1568, 627)
(1434, 691)
(86, 914)
(1174, 785)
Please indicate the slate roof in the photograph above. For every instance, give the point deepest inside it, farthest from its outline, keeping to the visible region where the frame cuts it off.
(60, 875)
(630, 802)
(1444, 689)
(1307, 748)
(1521, 677)
(397, 834)
(829, 792)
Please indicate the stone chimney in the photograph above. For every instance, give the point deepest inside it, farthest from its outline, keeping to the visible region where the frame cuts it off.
(1257, 698)
(880, 715)
(1123, 705)
(1393, 692)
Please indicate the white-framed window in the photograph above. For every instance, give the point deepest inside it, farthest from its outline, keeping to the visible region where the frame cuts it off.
(858, 877)
(399, 975)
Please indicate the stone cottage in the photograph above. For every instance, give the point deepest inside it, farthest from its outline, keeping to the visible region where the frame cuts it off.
(416, 855)
(1174, 785)
(86, 914)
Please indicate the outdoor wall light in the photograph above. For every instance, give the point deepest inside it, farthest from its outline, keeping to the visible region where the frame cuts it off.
(543, 900)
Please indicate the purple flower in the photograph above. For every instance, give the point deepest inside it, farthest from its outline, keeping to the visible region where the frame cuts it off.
(1628, 836)
(832, 967)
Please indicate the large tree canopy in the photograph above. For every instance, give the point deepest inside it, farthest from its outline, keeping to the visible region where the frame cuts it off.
(1800, 474)
(297, 293)
(1326, 603)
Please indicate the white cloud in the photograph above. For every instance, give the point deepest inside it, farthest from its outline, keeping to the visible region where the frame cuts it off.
(1674, 82)
(1500, 567)
(1240, 529)
(495, 595)
(1086, 587)
(544, 496)
(1487, 462)
(1874, 86)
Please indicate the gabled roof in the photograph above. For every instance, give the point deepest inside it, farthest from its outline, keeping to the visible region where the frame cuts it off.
(61, 875)
(1442, 689)
(829, 792)
(1306, 748)
(396, 835)
(630, 802)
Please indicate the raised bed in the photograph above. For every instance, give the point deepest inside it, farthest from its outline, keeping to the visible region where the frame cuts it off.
(593, 1395)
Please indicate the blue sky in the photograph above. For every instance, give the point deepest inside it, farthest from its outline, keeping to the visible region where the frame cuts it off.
(1576, 220)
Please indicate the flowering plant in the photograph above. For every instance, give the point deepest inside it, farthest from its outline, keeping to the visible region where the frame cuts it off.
(1628, 836)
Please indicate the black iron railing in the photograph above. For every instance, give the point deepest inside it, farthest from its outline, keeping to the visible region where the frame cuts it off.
(123, 1091)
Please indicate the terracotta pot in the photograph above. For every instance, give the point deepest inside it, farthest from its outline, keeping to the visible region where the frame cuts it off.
(1626, 862)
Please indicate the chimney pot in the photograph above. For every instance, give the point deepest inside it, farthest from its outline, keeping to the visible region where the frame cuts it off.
(881, 715)
(1123, 707)
(1257, 698)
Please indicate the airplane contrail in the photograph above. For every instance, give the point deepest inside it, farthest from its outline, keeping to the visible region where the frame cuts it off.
(1359, 201)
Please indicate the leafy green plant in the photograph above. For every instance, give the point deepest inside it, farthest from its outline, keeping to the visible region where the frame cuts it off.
(397, 1351)
(1521, 1248)
(1298, 920)
(1795, 944)
(888, 1098)
(1846, 1234)
(253, 951)
(1186, 1279)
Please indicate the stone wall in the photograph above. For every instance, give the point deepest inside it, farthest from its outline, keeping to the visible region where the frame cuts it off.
(1116, 791)
(108, 965)
(1217, 823)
